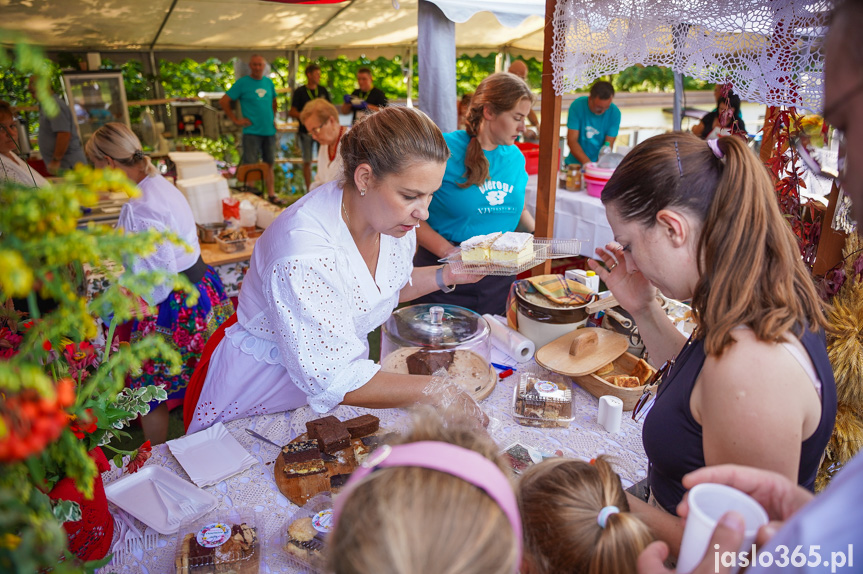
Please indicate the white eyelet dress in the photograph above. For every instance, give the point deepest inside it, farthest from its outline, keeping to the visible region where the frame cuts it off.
(306, 307)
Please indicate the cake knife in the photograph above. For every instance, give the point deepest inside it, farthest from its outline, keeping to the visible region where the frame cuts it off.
(324, 456)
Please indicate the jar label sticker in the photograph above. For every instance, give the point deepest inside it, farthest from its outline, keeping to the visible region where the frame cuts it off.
(546, 388)
(323, 521)
(213, 535)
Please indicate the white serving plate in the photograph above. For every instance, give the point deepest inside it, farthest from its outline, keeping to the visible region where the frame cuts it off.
(137, 495)
(211, 455)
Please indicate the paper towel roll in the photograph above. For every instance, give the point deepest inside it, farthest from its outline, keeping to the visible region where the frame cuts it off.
(510, 341)
(610, 413)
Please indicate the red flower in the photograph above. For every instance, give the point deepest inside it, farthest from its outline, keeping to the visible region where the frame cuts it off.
(144, 452)
(9, 342)
(181, 338)
(80, 428)
(80, 358)
(46, 344)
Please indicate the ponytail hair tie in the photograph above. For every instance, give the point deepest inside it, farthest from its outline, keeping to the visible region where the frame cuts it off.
(714, 147)
(603, 515)
(138, 155)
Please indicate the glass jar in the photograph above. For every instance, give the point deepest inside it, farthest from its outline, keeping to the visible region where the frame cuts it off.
(573, 177)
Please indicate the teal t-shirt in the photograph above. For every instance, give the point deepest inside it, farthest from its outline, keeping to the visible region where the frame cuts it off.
(592, 129)
(256, 98)
(460, 213)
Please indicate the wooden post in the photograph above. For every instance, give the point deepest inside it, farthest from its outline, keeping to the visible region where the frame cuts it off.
(549, 135)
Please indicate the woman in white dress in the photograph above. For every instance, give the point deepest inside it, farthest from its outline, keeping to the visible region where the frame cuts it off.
(13, 169)
(162, 207)
(327, 272)
(321, 119)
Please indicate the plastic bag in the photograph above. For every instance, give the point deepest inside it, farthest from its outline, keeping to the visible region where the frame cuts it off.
(230, 208)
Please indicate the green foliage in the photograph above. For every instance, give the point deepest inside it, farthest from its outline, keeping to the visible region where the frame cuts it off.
(43, 249)
(223, 149)
(186, 78)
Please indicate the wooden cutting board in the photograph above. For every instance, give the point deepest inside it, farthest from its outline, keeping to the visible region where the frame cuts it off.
(300, 489)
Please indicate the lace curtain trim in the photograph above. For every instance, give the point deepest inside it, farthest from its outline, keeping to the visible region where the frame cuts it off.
(771, 52)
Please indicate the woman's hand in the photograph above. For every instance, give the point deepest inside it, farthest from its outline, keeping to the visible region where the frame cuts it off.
(450, 277)
(631, 289)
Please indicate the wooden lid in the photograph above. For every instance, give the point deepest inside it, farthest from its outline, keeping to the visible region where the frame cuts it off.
(582, 351)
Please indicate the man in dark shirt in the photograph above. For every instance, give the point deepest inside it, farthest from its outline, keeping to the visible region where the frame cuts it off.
(303, 95)
(365, 99)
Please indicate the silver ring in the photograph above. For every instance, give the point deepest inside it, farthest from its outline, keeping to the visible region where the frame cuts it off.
(611, 267)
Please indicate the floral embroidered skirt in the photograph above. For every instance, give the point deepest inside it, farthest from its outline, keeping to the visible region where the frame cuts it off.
(186, 329)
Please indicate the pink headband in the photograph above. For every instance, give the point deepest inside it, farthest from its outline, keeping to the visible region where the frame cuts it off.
(714, 147)
(454, 460)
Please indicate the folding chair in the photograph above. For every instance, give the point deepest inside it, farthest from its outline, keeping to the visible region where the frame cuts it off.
(250, 174)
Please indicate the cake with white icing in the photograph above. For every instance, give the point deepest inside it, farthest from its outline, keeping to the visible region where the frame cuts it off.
(512, 249)
(476, 249)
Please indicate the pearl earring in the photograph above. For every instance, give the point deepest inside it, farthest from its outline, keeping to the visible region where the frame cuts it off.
(363, 192)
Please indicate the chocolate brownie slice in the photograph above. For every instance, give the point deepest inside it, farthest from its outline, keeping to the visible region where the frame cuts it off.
(428, 362)
(330, 432)
(302, 458)
(363, 425)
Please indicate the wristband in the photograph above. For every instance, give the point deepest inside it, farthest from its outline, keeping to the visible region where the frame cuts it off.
(440, 283)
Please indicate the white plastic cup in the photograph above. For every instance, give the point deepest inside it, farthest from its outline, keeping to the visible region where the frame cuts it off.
(707, 504)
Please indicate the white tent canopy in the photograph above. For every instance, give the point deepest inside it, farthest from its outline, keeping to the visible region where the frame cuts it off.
(223, 28)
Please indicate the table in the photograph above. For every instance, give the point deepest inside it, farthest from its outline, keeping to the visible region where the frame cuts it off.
(576, 216)
(256, 488)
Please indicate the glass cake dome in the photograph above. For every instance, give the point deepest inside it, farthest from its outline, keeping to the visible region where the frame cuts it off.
(423, 339)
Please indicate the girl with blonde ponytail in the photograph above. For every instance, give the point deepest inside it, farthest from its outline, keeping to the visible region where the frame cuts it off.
(576, 520)
(483, 187)
(753, 385)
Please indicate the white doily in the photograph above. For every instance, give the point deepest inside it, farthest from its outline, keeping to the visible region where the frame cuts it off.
(770, 51)
(255, 488)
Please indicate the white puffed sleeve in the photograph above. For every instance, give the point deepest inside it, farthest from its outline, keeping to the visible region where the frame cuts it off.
(164, 258)
(309, 305)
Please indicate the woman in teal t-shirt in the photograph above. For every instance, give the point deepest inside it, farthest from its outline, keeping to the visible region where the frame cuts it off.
(483, 188)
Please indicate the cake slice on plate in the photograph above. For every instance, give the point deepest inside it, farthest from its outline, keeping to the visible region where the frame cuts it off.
(512, 249)
(476, 249)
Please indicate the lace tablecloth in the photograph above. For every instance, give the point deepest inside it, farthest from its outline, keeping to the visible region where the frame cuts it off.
(255, 488)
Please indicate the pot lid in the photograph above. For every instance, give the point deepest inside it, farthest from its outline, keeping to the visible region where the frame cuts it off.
(582, 351)
(429, 325)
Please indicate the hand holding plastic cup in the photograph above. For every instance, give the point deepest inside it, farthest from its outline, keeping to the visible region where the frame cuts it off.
(707, 504)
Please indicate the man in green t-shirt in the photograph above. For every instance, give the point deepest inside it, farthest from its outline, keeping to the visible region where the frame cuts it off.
(593, 121)
(257, 97)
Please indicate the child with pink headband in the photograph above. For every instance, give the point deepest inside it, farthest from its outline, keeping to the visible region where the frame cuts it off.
(438, 501)
(576, 520)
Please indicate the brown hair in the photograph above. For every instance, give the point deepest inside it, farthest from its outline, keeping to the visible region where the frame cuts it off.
(390, 141)
(559, 500)
(321, 109)
(364, 71)
(6, 108)
(749, 264)
(498, 93)
(117, 141)
(602, 90)
(402, 520)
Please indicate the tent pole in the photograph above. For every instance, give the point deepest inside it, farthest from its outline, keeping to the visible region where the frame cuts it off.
(549, 143)
(410, 76)
(678, 101)
(436, 51)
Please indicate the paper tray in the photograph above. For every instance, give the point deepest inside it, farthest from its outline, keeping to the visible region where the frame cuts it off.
(542, 249)
(137, 495)
(211, 455)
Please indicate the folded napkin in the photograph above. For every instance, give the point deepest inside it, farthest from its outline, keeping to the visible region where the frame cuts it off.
(554, 287)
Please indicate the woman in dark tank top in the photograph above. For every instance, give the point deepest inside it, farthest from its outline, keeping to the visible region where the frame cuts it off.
(699, 220)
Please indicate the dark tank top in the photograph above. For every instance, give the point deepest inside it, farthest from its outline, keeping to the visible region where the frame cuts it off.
(673, 439)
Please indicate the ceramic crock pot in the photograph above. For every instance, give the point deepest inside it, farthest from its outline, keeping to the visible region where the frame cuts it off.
(541, 320)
